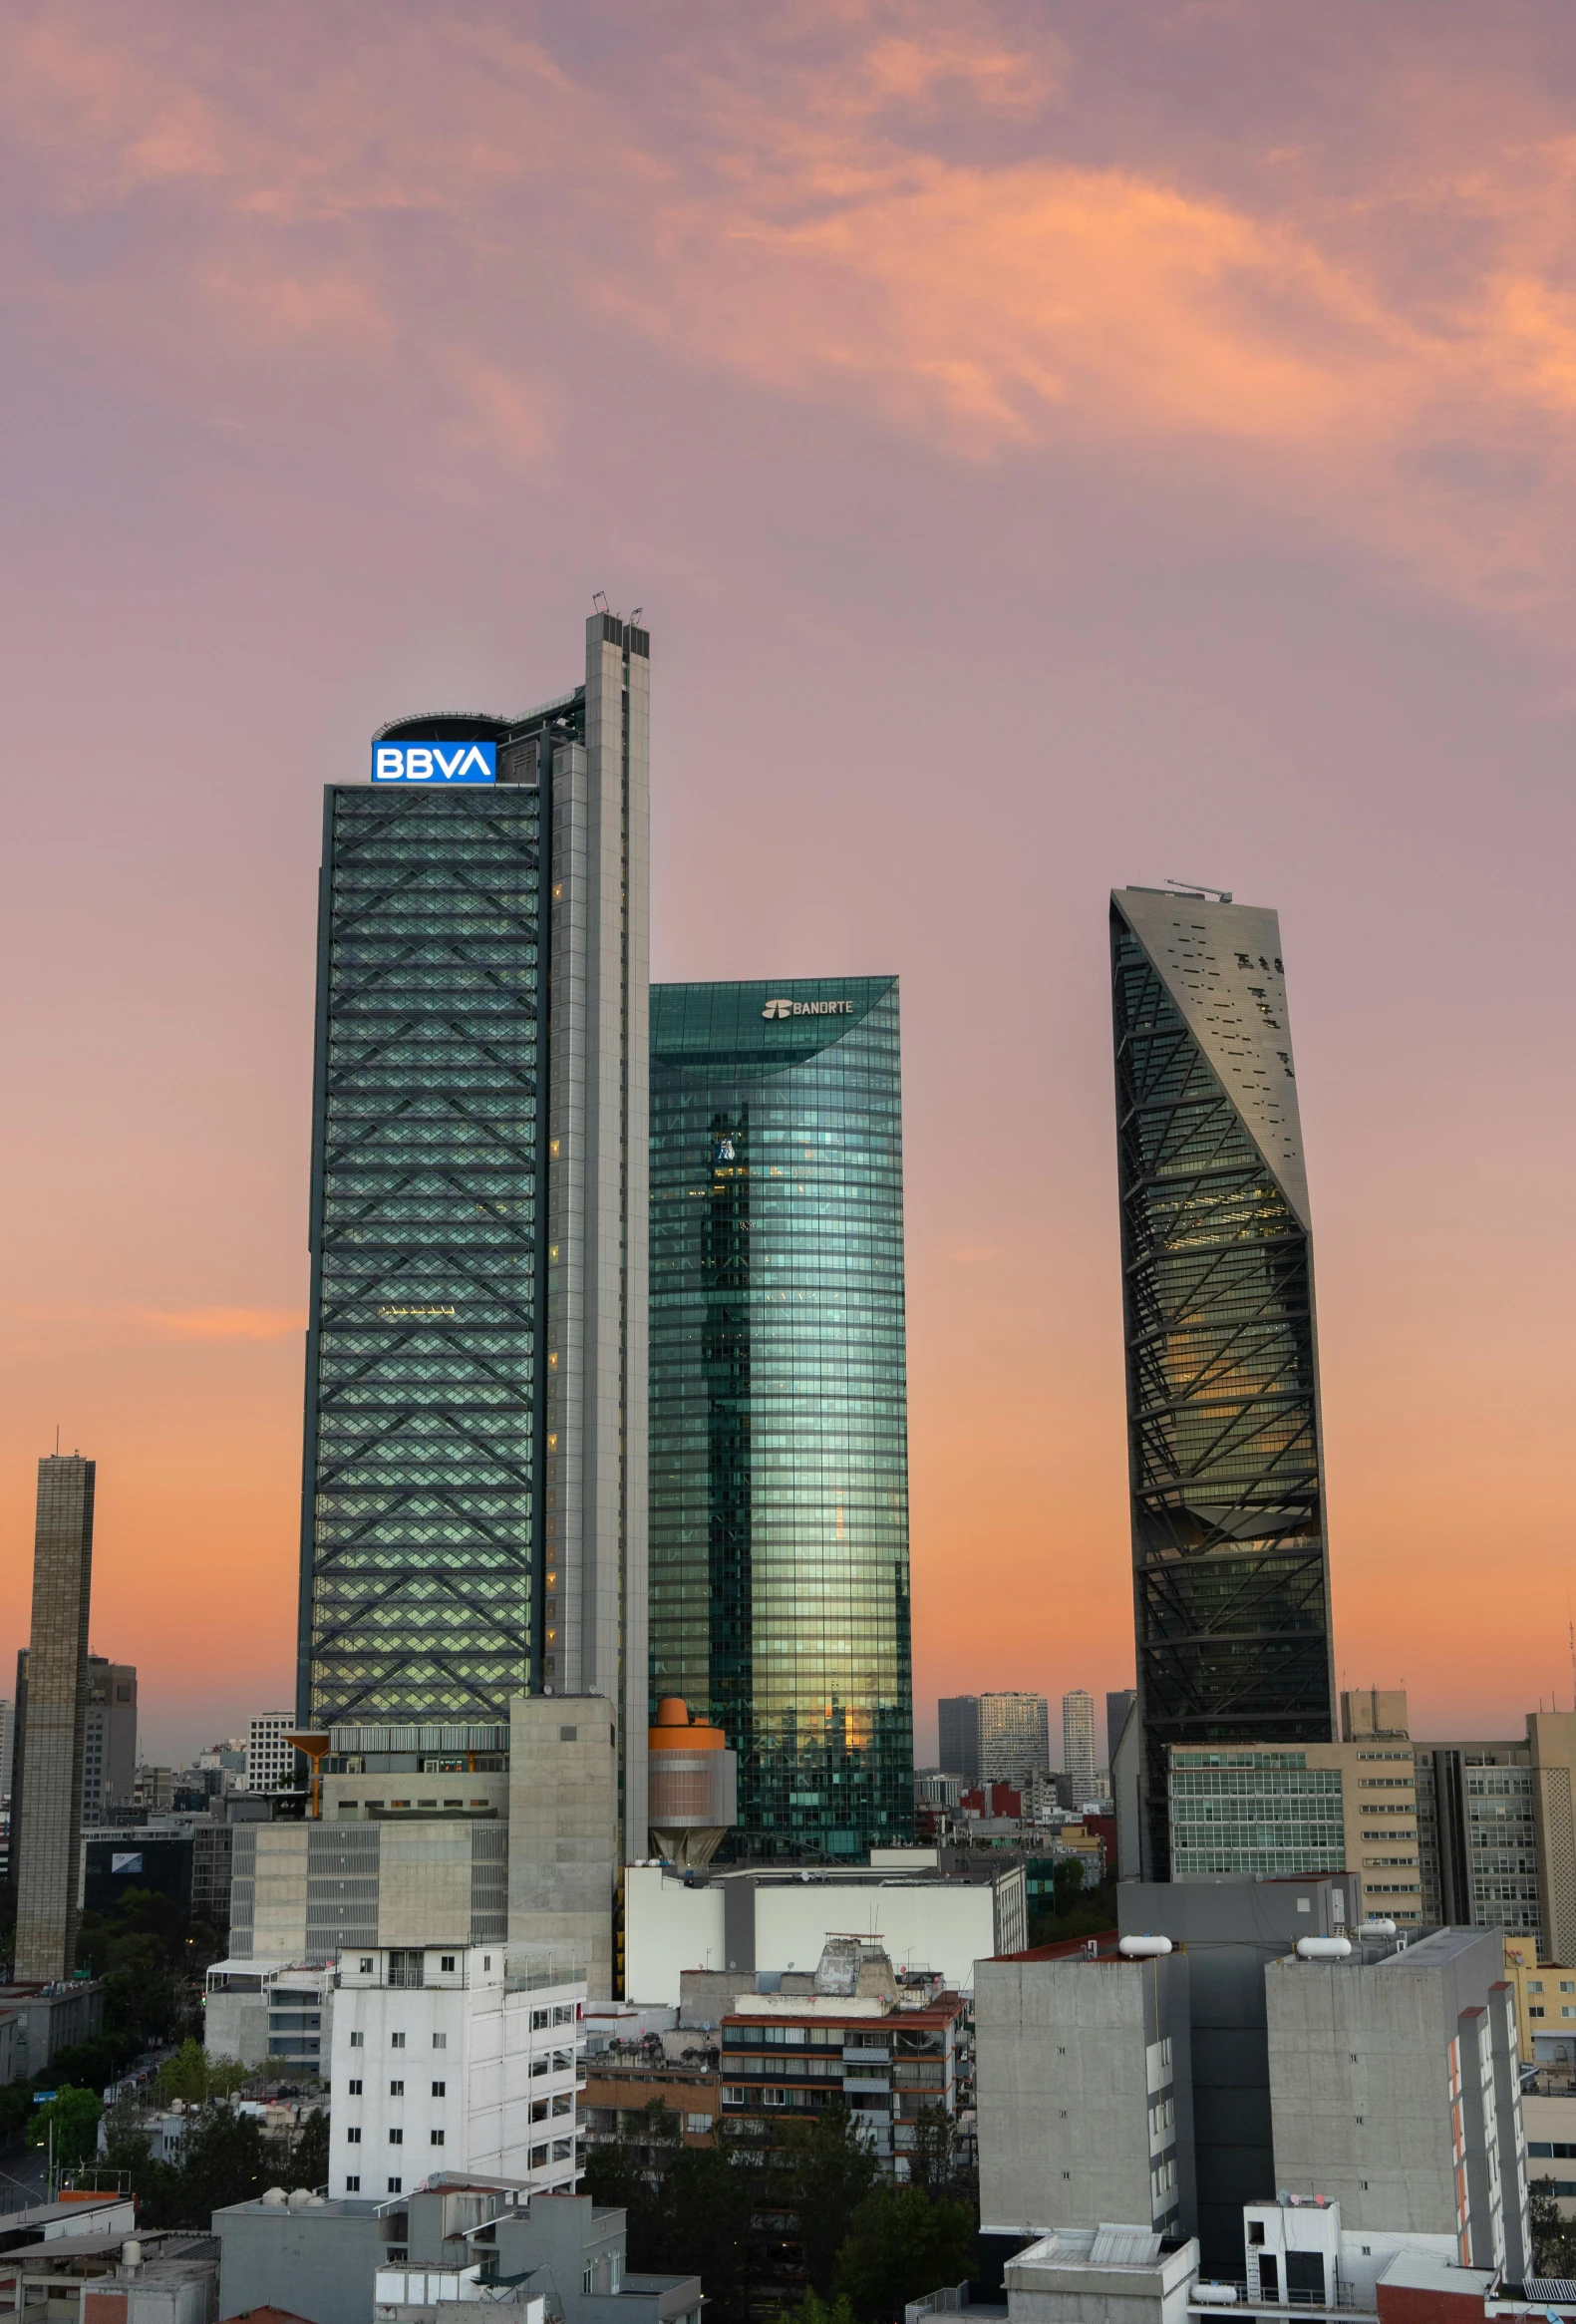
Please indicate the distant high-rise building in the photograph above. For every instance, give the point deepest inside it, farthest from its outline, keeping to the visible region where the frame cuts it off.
(1015, 1737)
(1231, 1577)
(1119, 1702)
(109, 1754)
(1078, 1745)
(958, 1728)
(49, 1845)
(474, 1502)
(779, 1401)
(270, 1759)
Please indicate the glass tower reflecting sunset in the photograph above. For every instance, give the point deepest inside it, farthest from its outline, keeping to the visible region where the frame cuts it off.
(779, 1401)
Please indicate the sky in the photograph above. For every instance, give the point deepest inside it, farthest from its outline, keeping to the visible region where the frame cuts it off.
(1053, 446)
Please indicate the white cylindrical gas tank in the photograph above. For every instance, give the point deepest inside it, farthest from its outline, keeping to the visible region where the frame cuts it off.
(1214, 2295)
(1377, 1928)
(1323, 1949)
(1144, 1948)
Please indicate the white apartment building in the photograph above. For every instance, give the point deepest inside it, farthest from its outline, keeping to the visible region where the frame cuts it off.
(270, 1761)
(1015, 1737)
(440, 2062)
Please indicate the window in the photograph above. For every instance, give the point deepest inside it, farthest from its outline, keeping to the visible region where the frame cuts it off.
(486, 1960)
(564, 2014)
(396, 2138)
(437, 2138)
(395, 2090)
(1568, 1985)
(396, 2186)
(540, 2018)
(396, 2041)
(440, 2090)
(366, 1958)
(541, 2107)
(1536, 2012)
(1535, 1984)
(358, 2041)
(353, 2186)
(588, 2280)
(353, 2137)
(440, 2041)
(354, 2088)
(537, 2155)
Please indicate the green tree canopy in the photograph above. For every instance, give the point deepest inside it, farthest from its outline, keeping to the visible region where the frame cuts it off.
(73, 2115)
(1553, 2237)
(901, 2244)
(829, 2168)
(193, 2075)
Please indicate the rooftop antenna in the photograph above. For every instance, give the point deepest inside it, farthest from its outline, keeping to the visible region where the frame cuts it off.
(635, 616)
(57, 1439)
(1572, 1628)
(1221, 894)
(599, 600)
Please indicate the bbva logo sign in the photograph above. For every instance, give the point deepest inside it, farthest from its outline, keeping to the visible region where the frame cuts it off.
(434, 761)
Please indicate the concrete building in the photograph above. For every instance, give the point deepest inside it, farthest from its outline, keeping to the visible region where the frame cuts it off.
(99, 2275)
(1265, 1808)
(1496, 1831)
(958, 1726)
(1078, 1746)
(1232, 1930)
(46, 2018)
(1084, 2083)
(1015, 1737)
(462, 2236)
(108, 1750)
(1100, 2275)
(1231, 1585)
(888, 2054)
(47, 1845)
(565, 1836)
(1545, 1998)
(262, 2011)
(749, 1920)
(1118, 1703)
(442, 2058)
(1394, 2092)
(270, 1761)
(477, 1357)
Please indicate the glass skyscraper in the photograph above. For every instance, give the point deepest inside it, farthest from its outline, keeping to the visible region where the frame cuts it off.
(1230, 1573)
(474, 1493)
(779, 1403)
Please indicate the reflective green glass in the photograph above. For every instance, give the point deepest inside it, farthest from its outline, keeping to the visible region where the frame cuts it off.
(779, 1401)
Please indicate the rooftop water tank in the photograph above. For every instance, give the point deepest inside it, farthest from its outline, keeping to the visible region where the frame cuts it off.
(1144, 1948)
(1323, 1949)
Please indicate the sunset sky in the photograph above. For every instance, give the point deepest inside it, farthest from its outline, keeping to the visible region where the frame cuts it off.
(1055, 446)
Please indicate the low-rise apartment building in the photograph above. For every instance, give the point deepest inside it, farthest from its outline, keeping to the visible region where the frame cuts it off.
(442, 2061)
(886, 2057)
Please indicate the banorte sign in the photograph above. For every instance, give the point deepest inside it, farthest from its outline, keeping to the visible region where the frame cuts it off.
(774, 1010)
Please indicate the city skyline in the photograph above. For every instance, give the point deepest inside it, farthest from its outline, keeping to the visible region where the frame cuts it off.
(1264, 454)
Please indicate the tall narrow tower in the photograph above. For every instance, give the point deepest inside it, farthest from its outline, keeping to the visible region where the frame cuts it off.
(474, 1517)
(50, 1843)
(1231, 1591)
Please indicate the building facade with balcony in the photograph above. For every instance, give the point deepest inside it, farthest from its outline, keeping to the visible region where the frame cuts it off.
(786, 2055)
(443, 2062)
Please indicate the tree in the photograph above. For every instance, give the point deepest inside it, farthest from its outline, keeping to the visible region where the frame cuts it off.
(900, 2245)
(225, 2160)
(193, 2075)
(1553, 2237)
(829, 2168)
(73, 2115)
(811, 2310)
(309, 2152)
(128, 2148)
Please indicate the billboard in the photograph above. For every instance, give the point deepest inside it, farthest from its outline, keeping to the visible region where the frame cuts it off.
(434, 761)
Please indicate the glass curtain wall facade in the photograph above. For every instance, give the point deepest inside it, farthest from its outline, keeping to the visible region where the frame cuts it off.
(424, 1424)
(474, 1493)
(780, 1603)
(1230, 1573)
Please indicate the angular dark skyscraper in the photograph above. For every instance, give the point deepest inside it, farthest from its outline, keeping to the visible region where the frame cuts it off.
(474, 1499)
(1231, 1589)
(779, 1401)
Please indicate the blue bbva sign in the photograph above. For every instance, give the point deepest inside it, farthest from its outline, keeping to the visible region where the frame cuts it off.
(434, 761)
